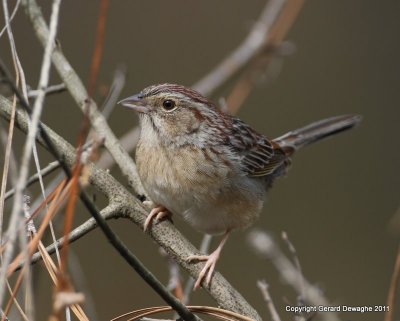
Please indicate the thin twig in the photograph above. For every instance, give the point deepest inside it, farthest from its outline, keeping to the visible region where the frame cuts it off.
(263, 286)
(23, 240)
(75, 235)
(128, 143)
(19, 76)
(8, 21)
(263, 57)
(244, 53)
(106, 160)
(7, 158)
(117, 85)
(34, 178)
(264, 245)
(50, 90)
(292, 250)
(394, 283)
(13, 294)
(27, 152)
(25, 272)
(52, 269)
(174, 276)
(99, 46)
(80, 281)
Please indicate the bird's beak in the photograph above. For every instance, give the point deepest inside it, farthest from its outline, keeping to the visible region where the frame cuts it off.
(135, 102)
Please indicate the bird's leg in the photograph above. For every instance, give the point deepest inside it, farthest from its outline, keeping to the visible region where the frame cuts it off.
(157, 213)
(211, 261)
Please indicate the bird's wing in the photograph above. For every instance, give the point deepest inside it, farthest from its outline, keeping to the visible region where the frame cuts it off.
(261, 157)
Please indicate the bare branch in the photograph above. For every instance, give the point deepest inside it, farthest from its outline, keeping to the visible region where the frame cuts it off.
(77, 233)
(34, 178)
(244, 53)
(50, 90)
(264, 245)
(264, 56)
(8, 21)
(263, 286)
(128, 142)
(117, 85)
(292, 250)
(8, 164)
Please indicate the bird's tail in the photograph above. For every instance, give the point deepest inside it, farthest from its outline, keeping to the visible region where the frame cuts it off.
(295, 139)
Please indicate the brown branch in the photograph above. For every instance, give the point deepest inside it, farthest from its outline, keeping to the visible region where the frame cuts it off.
(99, 46)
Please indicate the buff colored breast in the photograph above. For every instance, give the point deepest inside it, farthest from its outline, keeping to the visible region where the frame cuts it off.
(206, 194)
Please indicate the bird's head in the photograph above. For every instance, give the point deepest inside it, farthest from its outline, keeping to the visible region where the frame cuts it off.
(174, 113)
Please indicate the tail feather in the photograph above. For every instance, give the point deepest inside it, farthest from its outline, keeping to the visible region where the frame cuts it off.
(295, 139)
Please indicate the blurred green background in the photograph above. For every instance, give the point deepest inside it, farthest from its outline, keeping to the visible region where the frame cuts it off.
(339, 200)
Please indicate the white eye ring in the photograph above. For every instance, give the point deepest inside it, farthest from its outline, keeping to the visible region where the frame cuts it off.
(169, 105)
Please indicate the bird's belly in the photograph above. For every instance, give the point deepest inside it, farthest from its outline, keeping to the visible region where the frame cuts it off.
(212, 199)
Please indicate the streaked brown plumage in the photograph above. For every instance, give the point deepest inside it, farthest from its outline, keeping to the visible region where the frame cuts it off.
(209, 167)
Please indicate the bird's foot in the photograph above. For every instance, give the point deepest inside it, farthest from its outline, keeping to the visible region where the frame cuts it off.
(208, 269)
(157, 213)
(211, 261)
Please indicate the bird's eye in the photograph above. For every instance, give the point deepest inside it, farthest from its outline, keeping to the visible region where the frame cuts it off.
(168, 104)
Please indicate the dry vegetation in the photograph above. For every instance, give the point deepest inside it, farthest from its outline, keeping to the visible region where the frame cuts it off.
(22, 228)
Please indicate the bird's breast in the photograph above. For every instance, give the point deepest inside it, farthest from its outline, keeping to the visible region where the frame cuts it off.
(201, 185)
(179, 170)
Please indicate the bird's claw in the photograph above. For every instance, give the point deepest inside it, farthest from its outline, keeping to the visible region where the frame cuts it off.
(156, 214)
(208, 270)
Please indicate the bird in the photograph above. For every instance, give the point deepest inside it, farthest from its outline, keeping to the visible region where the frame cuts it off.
(209, 167)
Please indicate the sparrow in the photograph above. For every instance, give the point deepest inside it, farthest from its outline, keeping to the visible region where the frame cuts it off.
(209, 167)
